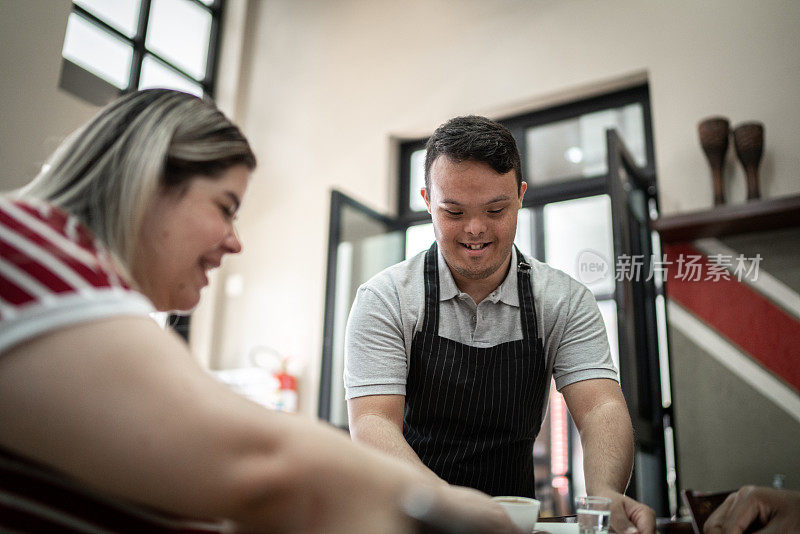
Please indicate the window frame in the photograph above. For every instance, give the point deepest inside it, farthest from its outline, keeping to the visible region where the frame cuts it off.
(88, 86)
(539, 195)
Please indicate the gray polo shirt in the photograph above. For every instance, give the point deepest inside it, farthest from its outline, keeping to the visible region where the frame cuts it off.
(390, 308)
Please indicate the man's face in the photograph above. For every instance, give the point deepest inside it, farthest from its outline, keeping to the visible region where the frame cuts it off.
(474, 211)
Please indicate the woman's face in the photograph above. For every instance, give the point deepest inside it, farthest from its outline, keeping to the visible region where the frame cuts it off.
(184, 235)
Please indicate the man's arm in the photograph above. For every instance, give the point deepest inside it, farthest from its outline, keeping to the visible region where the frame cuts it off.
(375, 374)
(377, 420)
(601, 415)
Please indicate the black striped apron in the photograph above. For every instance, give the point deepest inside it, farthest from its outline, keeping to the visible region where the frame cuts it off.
(473, 413)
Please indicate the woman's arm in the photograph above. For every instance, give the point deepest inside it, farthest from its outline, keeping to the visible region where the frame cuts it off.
(122, 406)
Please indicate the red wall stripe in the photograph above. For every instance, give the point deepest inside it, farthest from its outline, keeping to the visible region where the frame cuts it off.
(742, 315)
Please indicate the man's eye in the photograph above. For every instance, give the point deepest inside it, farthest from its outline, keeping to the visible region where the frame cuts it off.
(496, 212)
(453, 213)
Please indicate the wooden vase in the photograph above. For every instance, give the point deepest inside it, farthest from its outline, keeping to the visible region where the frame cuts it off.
(714, 133)
(748, 138)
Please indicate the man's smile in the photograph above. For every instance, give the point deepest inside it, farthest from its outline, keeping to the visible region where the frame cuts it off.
(476, 249)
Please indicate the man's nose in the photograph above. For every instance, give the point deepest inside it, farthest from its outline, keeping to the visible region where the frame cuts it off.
(475, 226)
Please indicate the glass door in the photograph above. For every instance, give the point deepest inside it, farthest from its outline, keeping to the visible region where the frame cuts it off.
(641, 316)
(361, 243)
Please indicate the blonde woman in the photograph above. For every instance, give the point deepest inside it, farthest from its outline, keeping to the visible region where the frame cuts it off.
(106, 421)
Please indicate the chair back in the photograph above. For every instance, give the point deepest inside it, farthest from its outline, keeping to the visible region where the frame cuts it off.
(701, 505)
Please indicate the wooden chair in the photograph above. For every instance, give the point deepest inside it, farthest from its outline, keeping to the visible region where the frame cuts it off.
(701, 505)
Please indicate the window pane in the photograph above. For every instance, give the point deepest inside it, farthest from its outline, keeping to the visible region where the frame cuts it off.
(122, 14)
(578, 240)
(157, 74)
(524, 237)
(418, 238)
(608, 309)
(415, 201)
(577, 147)
(97, 51)
(179, 31)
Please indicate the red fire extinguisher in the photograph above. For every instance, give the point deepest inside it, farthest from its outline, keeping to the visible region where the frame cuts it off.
(265, 357)
(287, 391)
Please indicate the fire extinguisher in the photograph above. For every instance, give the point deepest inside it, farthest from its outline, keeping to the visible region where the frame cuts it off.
(265, 357)
(287, 391)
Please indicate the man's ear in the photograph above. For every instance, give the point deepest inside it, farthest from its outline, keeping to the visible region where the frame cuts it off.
(523, 186)
(426, 198)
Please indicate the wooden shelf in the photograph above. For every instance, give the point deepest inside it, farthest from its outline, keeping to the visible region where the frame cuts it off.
(753, 216)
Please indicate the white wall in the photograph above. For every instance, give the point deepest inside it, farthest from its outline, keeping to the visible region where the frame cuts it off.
(329, 82)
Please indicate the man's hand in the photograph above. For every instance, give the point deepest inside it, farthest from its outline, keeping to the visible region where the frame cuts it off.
(777, 510)
(629, 516)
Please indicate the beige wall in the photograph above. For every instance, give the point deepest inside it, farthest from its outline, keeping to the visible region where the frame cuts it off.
(329, 82)
(35, 115)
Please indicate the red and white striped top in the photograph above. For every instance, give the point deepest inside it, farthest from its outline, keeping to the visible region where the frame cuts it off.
(54, 272)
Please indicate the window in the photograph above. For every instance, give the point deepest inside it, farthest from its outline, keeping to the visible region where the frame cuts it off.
(117, 46)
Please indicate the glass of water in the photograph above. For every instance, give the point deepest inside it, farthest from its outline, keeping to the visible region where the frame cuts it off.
(594, 514)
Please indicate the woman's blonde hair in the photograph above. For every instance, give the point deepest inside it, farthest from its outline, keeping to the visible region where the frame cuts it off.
(109, 170)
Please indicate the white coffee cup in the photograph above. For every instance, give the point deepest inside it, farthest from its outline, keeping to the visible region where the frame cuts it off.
(523, 511)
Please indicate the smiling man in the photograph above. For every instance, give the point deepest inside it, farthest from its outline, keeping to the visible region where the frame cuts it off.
(449, 355)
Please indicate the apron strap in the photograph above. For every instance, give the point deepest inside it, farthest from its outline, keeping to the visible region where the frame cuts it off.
(530, 325)
(431, 321)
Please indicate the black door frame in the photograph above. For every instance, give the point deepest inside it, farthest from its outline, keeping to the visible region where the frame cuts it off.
(338, 201)
(639, 352)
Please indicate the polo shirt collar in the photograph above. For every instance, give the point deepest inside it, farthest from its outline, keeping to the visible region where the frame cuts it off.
(505, 292)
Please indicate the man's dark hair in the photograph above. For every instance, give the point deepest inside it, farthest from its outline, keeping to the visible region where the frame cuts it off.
(474, 138)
